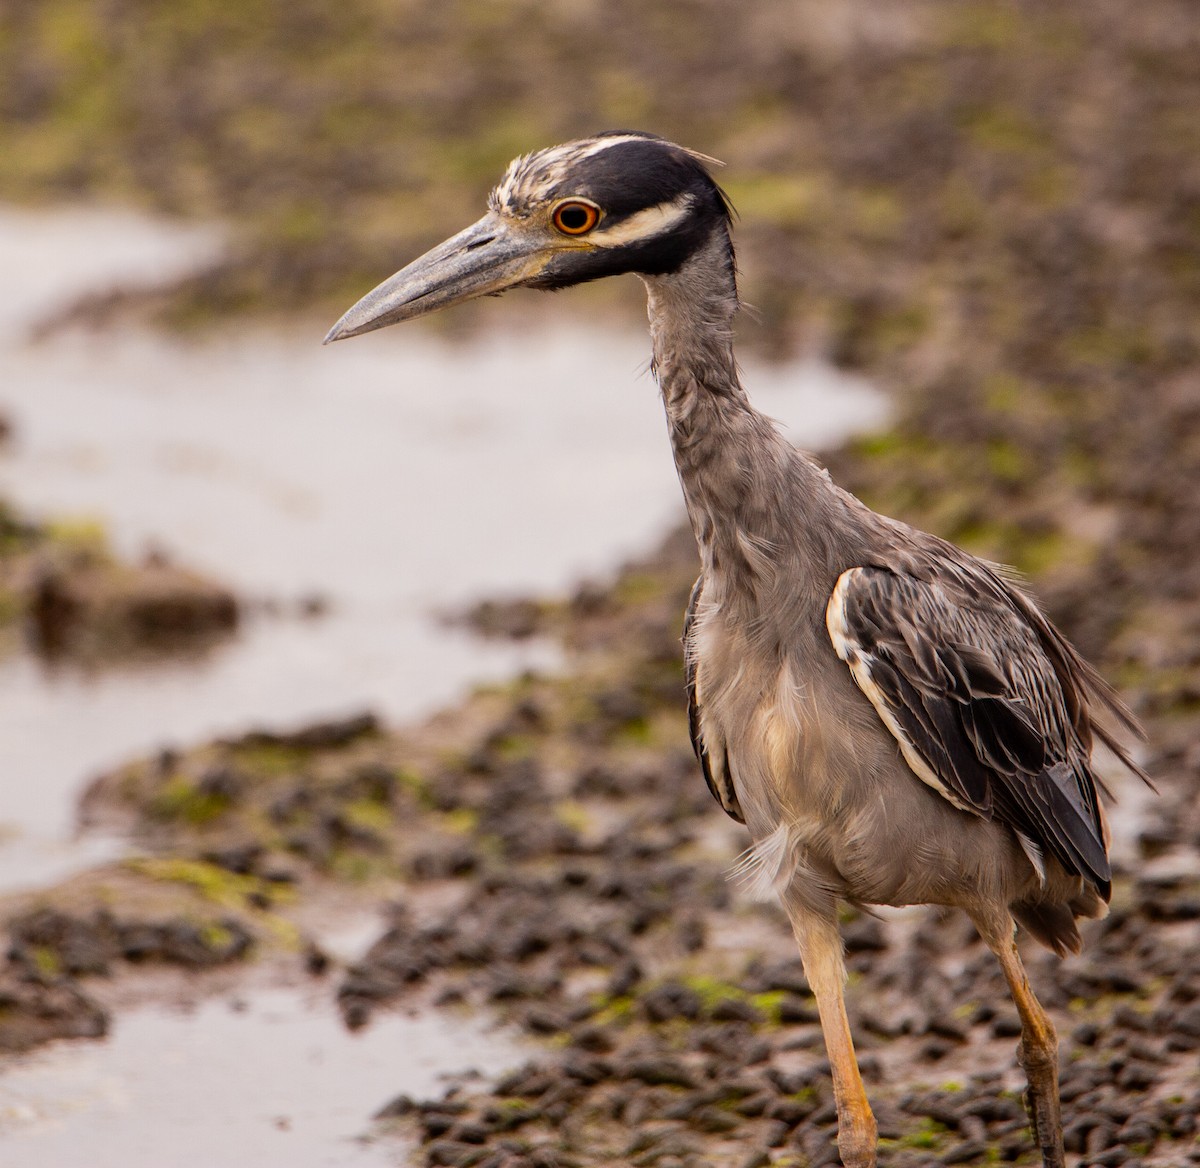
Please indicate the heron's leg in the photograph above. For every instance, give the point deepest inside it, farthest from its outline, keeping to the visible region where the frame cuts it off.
(821, 952)
(1038, 1049)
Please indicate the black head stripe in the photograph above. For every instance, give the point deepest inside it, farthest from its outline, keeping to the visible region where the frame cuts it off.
(632, 175)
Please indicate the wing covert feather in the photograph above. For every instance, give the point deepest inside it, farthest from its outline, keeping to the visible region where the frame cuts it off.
(966, 686)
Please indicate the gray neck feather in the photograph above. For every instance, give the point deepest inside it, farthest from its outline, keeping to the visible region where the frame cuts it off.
(760, 511)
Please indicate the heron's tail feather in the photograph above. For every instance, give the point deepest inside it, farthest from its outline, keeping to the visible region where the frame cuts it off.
(1053, 923)
(765, 868)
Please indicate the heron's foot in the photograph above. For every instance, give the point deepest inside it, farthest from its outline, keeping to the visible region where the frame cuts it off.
(1042, 1103)
(858, 1136)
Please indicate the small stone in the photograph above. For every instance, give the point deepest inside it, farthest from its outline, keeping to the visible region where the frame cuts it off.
(625, 980)
(661, 1072)
(965, 1152)
(790, 1111)
(593, 1039)
(448, 1154)
(795, 1011)
(399, 1107)
(470, 1133)
(754, 1105)
(316, 960)
(714, 1120)
(671, 1001)
(735, 1010)
(436, 1123)
(588, 1070)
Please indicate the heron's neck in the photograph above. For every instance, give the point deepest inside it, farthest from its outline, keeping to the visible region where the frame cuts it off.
(738, 474)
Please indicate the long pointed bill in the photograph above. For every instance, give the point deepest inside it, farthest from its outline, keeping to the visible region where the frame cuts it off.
(487, 257)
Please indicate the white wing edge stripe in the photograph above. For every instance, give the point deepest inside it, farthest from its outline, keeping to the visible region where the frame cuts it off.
(850, 651)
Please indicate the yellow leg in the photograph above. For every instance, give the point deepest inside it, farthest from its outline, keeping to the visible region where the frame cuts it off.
(1038, 1049)
(821, 952)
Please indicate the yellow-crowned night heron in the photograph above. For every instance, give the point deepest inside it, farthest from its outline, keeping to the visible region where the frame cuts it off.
(894, 720)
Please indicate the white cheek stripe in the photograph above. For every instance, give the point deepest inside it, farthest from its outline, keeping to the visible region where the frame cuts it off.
(644, 224)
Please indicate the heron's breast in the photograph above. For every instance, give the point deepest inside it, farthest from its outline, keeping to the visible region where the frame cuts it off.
(787, 740)
(813, 739)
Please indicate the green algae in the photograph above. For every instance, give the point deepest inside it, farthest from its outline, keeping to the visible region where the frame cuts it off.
(215, 884)
(181, 799)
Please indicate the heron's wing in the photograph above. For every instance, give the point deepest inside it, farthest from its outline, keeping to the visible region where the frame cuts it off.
(965, 685)
(713, 762)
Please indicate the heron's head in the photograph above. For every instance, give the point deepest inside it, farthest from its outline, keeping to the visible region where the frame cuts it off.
(618, 202)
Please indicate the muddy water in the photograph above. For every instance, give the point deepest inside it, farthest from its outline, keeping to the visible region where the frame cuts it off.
(269, 1079)
(393, 476)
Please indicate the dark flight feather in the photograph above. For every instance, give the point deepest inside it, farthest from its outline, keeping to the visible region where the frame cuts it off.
(1007, 744)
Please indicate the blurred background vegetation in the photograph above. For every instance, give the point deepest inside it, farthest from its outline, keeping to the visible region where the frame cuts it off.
(992, 207)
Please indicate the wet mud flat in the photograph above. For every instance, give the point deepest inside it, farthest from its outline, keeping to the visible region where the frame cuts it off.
(549, 856)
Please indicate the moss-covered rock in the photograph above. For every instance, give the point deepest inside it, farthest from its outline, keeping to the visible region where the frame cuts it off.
(68, 595)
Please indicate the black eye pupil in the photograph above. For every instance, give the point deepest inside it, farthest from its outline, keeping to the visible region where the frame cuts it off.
(574, 218)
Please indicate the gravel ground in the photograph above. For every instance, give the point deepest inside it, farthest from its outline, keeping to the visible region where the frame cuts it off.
(550, 855)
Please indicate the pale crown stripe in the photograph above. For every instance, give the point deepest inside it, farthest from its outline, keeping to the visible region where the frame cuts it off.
(601, 144)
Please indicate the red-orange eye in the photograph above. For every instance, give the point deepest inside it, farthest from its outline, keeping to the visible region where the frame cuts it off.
(576, 217)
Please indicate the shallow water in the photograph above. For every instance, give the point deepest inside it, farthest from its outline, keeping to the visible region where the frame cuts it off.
(271, 1079)
(393, 475)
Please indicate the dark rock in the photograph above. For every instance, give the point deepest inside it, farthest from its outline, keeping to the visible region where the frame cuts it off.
(397, 1108)
(316, 736)
(660, 1071)
(757, 1160)
(793, 1011)
(714, 1121)
(588, 1070)
(754, 1105)
(545, 1021)
(470, 1133)
(865, 934)
(435, 1123)
(450, 1154)
(965, 1152)
(34, 1012)
(528, 1082)
(316, 960)
(791, 1111)
(669, 1001)
(593, 1039)
(735, 1010)
(74, 945)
